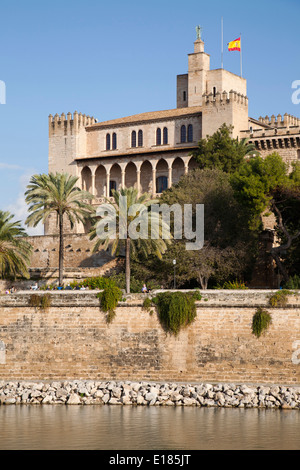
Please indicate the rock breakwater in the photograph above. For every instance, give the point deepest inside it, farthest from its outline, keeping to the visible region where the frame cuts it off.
(79, 392)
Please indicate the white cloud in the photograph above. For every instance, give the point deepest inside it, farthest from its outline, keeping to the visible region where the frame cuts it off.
(8, 166)
(20, 209)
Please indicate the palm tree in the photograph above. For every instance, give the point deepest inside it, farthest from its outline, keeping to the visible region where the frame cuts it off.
(246, 148)
(14, 249)
(57, 193)
(114, 229)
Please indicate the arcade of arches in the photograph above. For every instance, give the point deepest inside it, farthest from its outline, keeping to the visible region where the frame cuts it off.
(147, 176)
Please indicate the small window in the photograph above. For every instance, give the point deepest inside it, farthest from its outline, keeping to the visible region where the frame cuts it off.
(214, 91)
(133, 139)
(183, 134)
(107, 141)
(165, 135)
(140, 138)
(158, 136)
(114, 141)
(190, 133)
(161, 184)
(184, 96)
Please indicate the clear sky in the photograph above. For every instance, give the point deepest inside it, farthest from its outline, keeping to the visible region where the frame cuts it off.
(115, 58)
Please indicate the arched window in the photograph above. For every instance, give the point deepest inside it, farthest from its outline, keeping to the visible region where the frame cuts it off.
(140, 138)
(161, 184)
(107, 141)
(183, 134)
(165, 135)
(133, 139)
(112, 185)
(158, 136)
(114, 141)
(190, 133)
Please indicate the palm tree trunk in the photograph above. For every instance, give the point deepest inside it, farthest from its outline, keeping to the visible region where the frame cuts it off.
(61, 250)
(127, 265)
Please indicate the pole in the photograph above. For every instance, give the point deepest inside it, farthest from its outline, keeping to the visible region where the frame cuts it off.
(241, 57)
(222, 45)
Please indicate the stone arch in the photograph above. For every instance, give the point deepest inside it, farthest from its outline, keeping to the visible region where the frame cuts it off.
(100, 181)
(192, 165)
(130, 175)
(177, 170)
(115, 177)
(146, 177)
(86, 179)
(162, 174)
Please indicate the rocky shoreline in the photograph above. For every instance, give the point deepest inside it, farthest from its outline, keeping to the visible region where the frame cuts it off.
(81, 392)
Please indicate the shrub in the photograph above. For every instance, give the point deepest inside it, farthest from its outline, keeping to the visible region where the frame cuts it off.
(40, 301)
(94, 283)
(109, 299)
(34, 301)
(175, 310)
(293, 283)
(232, 285)
(261, 321)
(279, 299)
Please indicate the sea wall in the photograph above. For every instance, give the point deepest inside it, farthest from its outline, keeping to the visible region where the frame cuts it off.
(71, 340)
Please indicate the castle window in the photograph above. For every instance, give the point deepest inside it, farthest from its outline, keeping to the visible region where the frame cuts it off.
(184, 96)
(165, 135)
(133, 139)
(161, 184)
(140, 138)
(183, 134)
(190, 133)
(114, 141)
(107, 141)
(158, 136)
(214, 91)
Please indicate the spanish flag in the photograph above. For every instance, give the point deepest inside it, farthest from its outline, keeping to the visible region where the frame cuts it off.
(234, 45)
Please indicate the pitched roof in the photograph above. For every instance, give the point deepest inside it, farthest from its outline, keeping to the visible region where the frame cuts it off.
(149, 116)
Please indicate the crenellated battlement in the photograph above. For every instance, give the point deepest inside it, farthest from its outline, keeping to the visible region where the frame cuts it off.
(225, 97)
(68, 123)
(287, 120)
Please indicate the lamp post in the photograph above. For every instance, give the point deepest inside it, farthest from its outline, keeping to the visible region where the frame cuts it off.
(174, 263)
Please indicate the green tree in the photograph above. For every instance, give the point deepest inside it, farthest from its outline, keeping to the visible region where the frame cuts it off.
(221, 151)
(15, 251)
(266, 185)
(229, 245)
(127, 212)
(57, 193)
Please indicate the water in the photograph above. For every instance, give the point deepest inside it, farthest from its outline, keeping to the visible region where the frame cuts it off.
(146, 428)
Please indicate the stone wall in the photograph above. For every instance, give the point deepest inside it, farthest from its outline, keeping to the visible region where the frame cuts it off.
(72, 340)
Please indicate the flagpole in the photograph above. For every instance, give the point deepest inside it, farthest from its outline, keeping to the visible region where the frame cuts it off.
(241, 58)
(222, 47)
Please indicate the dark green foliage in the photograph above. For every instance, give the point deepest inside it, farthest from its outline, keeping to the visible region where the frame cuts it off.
(94, 283)
(109, 299)
(232, 285)
(175, 310)
(34, 301)
(261, 321)
(293, 283)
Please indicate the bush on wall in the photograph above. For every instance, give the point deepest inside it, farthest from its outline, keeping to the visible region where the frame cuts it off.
(176, 310)
(261, 322)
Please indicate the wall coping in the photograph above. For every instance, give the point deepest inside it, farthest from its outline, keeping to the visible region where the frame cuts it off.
(210, 298)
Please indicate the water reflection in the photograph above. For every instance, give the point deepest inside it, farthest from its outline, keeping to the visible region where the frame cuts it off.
(140, 428)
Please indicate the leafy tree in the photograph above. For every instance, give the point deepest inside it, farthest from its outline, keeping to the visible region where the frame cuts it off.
(15, 251)
(221, 151)
(262, 185)
(229, 245)
(113, 228)
(57, 193)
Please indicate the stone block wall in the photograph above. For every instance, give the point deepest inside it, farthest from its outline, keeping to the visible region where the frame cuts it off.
(72, 340)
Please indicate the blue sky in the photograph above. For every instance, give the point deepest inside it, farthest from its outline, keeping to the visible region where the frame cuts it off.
(117, 58)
